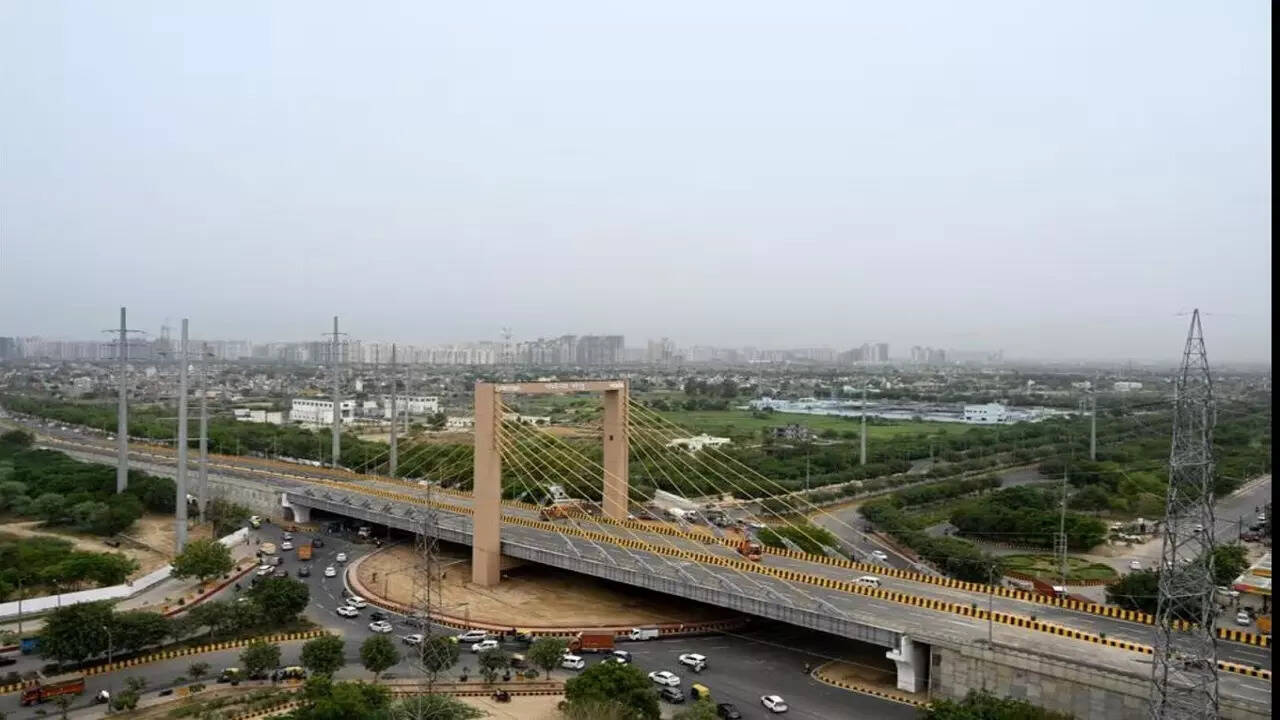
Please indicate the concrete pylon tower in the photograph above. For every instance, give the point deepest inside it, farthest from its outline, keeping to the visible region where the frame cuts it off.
(122, 410)
(180, 504)
(202, 492)
(336, 359)
(394, 458)
(1185, 661)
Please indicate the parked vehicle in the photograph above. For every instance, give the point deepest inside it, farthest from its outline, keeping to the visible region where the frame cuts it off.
(644, 633)
(591, 642)
(45, 687)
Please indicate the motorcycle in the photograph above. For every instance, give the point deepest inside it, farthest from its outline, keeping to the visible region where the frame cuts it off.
(502, 696)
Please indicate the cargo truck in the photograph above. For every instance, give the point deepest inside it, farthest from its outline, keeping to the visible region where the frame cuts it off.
(644, 633)
(304, 551)
(591, 642)
(43, 688)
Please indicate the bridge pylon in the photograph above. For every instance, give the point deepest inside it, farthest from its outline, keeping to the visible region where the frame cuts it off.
(486, 548)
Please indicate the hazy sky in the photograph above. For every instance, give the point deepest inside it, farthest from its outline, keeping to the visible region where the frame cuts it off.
(1051, 178)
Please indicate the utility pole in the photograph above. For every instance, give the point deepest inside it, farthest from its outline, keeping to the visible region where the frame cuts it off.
(180, 504)
(202, 494)
(122, 405)
(394, 457)
(1093, 426)
(337, 393)
(1060, 538)
(863, 456)
(1184, 674)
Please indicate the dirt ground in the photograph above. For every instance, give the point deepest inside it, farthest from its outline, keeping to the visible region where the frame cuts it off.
(155, 530)
(530, 707)
(531, 596)
(870, 670)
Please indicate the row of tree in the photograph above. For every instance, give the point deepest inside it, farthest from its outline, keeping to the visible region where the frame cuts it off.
(40, 564)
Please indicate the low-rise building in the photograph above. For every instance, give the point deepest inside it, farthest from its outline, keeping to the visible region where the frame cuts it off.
(698, 442)
(459, 423)
(413, 404)
(1126, 386)
(988, 414)
(314, 411)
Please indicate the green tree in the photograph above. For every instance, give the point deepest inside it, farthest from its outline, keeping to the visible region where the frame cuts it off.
(17, 438)
(620, 683)
(216, 615)
(203, 559)
(545, 653)
(491, 662)
(324, 655)
(74, 632)
(1228, 562)
(281, 598)
(127, 699)
(137, 629)
(438, 653)
(259, 657)
(703, 709)
(197, 670)
(436, 707)
(982, 705)
(51, 508)
(324, 699)
(377, 653)
(1135, 591)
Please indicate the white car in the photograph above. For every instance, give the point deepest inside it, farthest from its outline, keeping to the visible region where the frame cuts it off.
(413, 639)
(380, 626)
(347, 611)
(1243, 619)
(878, 556)
(472, 636)
(286, 545)
(265, 570)
(356, 601)
(572, 662)
(488, 644)
(774, 703)
(330, 571)
(342, 557)
(662, 677)
(693, 659)
(1135, 564)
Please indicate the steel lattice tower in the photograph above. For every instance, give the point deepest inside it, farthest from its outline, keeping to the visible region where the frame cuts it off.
(1185, 661)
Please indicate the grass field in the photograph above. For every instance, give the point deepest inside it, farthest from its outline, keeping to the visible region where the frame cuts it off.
(741, 422)
(1046, 567)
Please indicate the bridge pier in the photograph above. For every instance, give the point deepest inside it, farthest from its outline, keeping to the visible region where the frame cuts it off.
(486, 548)
(912, 659)
(616, 456)
(301, 513)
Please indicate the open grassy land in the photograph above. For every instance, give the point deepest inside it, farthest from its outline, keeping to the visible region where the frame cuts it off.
(744, 422)
(1046, 567)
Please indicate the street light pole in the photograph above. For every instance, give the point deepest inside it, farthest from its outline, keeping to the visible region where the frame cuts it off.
(110, 646)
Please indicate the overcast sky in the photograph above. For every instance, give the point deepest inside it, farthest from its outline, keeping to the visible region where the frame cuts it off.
(1051, 178)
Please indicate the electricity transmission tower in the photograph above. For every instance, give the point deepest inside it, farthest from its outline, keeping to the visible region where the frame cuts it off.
(1185, 662)
(336, 358)
(122, 408)
(426, 585)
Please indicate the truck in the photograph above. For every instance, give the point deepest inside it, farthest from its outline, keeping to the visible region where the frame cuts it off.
(29, 645)
(746, 547)
(591, 642)
(364, 532)
(268, 548)
(255, 521)
(1264, 624)
(304, 551)
(43, 687)
(644, 633)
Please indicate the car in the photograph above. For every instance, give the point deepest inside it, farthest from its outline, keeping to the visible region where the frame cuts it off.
(377, 615)
(1262, 519)
(663, 677)
(286, 545)
(239, 601)
(280, 572)
(380, 626)
(486, 644)
(265, 570)
(413, 639)
(693, 660)
(727, 711)
(472, 636)
(1198, 528)
(356, 601)
(620, 656)
(330, 571)
(317, 543)
(878, 556)
(347, 611)
(342, 557)
(774, 703)
(572, 662)
(1243, 619)
(287, 536)
(304, 571)
(1135, 564)
(671, 695)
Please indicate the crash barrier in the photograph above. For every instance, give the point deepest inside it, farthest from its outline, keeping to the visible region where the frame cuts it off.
(865, 689)
(180, 652)
(189, 601)
(782, 573)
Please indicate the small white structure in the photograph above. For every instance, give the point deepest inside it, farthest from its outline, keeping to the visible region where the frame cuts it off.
(413, 404)
(527, 419)
(459, 423)
(319, 412)
(1126, 386)
(988, 414)
(697, 442)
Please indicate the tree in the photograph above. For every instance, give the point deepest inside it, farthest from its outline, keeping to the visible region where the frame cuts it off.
(700, 710)
(18, 438)
(216, 615)
(259, 657)
(323, 655)
(74, 632)
(982, 705)
(324, 699)
(50, 507)
(203, 559)
(281, 598)
(377, 653)
(127, 699)
(436, 707)
(619, 683)
(138, 629)
(1135, 591)
(1228, 562)
(438, 653)
(492, 661)
(545, 653)
(198, 670)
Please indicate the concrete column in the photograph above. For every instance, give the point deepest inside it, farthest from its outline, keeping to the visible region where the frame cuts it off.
(180, 534)
(486, 546)
(301, 513)
(616, 455)
(912, 659)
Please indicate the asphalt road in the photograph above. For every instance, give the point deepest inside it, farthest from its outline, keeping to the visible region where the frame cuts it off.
(741, 667)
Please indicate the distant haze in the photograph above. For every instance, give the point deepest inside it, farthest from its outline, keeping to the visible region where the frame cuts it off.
(1050, 178)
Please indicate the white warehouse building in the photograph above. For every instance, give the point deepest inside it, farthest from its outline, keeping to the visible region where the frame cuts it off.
(988, 414)
(416, 404)
(319, 412)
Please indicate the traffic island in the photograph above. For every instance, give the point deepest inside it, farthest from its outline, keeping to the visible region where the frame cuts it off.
(869, 676)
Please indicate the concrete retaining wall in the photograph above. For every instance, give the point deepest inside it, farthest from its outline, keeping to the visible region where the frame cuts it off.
(1069, 686)
(260, 498)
